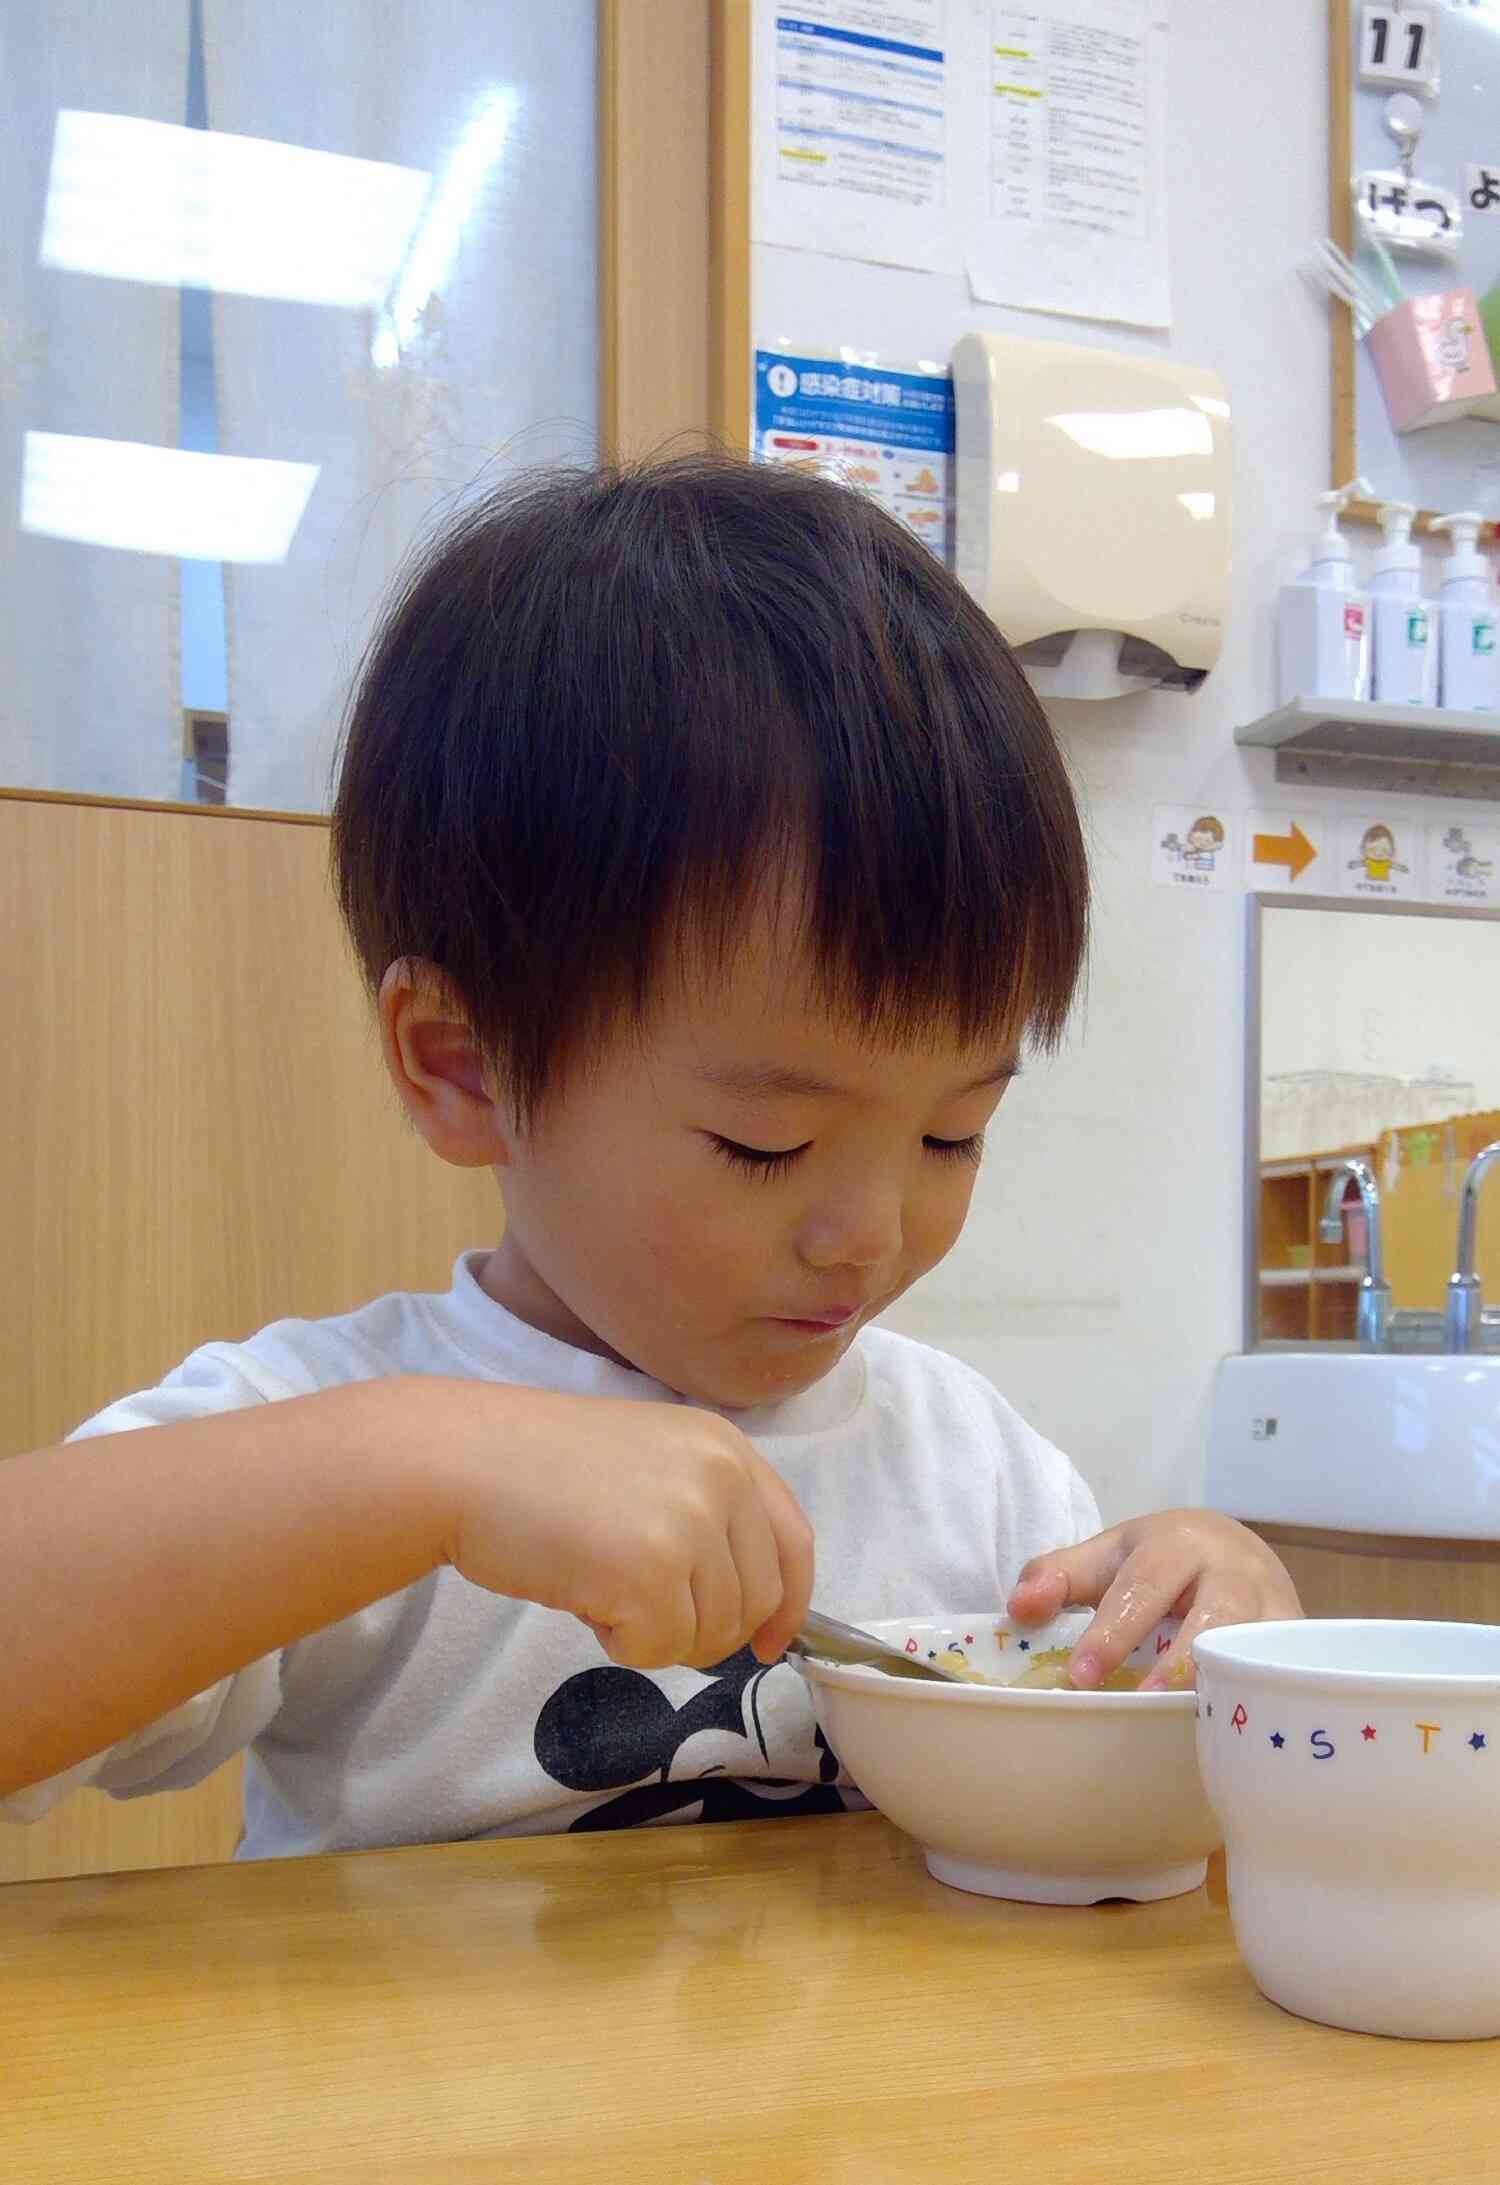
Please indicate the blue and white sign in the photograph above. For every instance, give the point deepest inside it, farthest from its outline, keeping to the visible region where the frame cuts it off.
(890, 433)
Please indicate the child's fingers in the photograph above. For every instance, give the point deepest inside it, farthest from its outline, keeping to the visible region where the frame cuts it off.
(757, 1559)
(1176, 1669)
(1224, 1598)
(793, 1538)
(1147, 1587)
(719, 1607)
(650, 1633)
(1076, 1577)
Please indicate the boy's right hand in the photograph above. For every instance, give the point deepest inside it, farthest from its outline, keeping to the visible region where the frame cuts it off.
(659, 1526)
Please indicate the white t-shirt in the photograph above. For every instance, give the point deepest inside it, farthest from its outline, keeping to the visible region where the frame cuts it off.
(445, 1711)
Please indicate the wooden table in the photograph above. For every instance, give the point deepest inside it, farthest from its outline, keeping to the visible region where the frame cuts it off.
(769, 2003)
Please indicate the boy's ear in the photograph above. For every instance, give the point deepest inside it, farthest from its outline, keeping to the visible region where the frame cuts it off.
(438, 1070)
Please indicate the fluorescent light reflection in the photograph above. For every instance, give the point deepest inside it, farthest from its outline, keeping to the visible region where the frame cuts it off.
(162, 500)
(429, 261)
(150, 201)
(1133, 435)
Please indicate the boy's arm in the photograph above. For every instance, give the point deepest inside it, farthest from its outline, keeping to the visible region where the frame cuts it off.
(138, 1568)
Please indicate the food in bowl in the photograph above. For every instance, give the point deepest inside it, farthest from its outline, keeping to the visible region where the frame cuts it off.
(1049, 1795)
(1352, 1763)
(1046, 1670)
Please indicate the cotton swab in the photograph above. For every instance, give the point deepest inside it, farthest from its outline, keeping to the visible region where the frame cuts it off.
(1331, 269)
(1356, 285)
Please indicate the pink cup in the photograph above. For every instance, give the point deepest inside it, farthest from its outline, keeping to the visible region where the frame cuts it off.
(1433, 360)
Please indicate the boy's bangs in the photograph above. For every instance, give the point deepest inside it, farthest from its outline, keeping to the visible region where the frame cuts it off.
(915, 919)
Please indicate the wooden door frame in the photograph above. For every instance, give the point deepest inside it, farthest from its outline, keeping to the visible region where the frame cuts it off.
(674, 223)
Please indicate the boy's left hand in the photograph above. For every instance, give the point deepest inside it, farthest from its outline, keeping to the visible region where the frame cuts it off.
(1196, 1564)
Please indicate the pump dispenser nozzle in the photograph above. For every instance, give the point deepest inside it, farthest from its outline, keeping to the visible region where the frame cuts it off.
(1465, 559)
(1396, 519)
(1398, 552)
(1330, 544)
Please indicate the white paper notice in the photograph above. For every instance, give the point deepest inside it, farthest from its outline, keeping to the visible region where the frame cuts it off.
(852, 156)
(1077, 216)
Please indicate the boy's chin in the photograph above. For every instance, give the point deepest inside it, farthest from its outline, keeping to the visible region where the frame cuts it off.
(750, 1385)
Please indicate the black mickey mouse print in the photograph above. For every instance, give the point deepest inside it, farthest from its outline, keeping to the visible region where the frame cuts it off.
(614, 1729)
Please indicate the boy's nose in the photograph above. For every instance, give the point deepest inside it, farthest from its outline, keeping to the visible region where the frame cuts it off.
(861, 1232)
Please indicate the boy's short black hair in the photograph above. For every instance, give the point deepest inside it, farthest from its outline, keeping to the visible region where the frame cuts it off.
(608, 705)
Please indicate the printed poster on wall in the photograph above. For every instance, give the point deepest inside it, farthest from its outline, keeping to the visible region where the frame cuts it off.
(1022, 141)
(890, 433)
(1075, 213)
(851, 155)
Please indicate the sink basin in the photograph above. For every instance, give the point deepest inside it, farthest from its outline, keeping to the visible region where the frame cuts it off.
(1353, 1442)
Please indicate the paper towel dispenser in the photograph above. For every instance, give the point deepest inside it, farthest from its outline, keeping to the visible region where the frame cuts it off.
(1093, 511)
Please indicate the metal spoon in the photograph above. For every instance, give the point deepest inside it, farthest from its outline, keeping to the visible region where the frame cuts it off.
(824, 1638)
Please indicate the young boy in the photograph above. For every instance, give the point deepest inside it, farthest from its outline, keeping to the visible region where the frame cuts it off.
(712, 864)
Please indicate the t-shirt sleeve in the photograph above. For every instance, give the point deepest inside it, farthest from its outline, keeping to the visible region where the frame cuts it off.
(182, 1747)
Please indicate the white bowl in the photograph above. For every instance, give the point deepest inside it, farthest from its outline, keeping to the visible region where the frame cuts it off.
(1355, 1767)
(1052, 1797)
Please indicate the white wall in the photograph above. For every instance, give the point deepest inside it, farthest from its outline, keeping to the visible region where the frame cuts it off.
(1099, 1280)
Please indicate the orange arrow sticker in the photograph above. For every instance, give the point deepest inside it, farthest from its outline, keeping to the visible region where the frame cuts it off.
(1292, 850)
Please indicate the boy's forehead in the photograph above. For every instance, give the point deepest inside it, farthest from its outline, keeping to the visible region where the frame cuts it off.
(759, 1042)
(757, 1018)
(773, 1080)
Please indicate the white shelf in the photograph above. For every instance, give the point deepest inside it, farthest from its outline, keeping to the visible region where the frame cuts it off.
(1293, 1278)
(1360, 742)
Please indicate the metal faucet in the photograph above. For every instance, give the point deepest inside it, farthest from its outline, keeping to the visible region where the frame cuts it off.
(1461, 1321)
(1373, 1311)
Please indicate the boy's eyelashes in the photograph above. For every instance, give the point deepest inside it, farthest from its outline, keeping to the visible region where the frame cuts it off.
(766, 1162)
(756, 1160)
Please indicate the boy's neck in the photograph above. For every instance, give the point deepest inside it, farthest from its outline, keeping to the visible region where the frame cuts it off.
(507, 1276)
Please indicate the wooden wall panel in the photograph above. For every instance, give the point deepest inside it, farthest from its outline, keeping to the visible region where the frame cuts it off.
(1371, 1574)
(200, 1135)
(200, 1138)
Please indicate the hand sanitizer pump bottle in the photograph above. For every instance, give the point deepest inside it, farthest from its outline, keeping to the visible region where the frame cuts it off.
(1323, 620)
(1468, 664)
(1405, 668)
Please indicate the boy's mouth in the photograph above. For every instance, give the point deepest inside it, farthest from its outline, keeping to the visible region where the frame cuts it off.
(835, 1316)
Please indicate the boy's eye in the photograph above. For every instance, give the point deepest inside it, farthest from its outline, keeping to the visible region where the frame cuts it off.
(957, 1149)
(758, 1160)
(766, 1161)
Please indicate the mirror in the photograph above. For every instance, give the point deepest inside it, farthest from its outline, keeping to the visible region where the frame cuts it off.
(1371, 1030)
